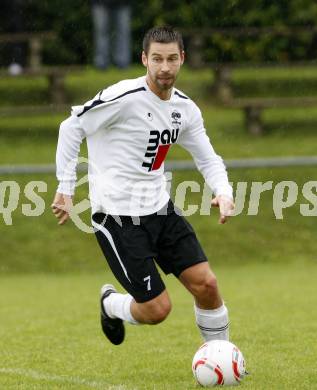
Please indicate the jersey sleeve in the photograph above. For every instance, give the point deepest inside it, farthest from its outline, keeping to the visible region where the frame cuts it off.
(70, 138)
(195, 140)
(100, 113)
(97, 114)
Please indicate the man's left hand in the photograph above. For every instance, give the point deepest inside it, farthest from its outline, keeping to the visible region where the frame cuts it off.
(226, 207)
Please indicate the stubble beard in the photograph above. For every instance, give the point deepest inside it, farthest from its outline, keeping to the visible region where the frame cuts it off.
(165, 86)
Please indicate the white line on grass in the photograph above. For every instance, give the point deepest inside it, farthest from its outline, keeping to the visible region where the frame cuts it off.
(62, 379)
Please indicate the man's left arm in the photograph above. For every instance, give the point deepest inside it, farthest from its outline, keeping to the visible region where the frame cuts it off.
(195, 140)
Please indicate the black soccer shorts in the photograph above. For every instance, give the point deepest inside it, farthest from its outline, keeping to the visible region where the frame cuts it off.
(132, 249)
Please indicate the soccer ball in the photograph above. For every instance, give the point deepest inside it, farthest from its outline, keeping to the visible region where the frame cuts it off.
(218, 362)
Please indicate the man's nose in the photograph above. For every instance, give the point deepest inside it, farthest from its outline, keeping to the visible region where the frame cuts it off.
(165, 67)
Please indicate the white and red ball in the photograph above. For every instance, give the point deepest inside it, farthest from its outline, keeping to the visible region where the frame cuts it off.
(218, 362)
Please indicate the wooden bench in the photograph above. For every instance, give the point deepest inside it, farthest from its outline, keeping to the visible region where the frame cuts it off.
(222, 87)
(35, 44)
(56, 76)
(253, 108)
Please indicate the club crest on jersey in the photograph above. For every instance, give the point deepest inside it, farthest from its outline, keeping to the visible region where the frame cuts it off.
(158, 146)
(176, 116)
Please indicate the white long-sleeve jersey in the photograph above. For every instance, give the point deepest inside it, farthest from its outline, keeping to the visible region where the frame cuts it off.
(129, 131)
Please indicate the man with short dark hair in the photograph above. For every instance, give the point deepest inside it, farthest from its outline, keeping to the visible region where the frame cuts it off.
(129, 128)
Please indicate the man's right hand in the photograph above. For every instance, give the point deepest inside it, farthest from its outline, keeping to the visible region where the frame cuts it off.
(61, 207)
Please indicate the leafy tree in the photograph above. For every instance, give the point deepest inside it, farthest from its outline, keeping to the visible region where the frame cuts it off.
(71, 20)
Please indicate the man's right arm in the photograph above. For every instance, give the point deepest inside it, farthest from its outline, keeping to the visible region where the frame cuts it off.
(70, 138)
(98, 113)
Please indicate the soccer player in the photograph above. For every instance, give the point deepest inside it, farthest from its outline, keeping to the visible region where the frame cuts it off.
(129, 128)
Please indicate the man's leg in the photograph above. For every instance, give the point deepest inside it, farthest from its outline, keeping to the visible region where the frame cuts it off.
(130, 254)
(123, 306)
(122, 47)
(101, 21)
(210, 311)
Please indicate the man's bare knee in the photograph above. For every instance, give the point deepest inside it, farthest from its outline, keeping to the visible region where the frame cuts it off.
(206, 287)
(159, 312)
(207, 295)
(154, 311)
(210, 285)
(202, 283)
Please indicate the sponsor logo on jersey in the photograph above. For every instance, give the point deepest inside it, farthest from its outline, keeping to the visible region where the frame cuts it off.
(158, 146)
(176, 116)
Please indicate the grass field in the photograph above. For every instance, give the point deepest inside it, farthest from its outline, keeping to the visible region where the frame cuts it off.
(51, 337)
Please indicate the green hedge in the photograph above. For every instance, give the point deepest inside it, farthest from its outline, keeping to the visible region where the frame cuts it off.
(72, 22)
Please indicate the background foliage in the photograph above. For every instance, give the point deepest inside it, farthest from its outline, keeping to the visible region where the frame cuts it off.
(71, 21)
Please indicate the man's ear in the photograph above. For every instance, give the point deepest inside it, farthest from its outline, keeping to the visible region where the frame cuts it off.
(144, 59)
(182, 57)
